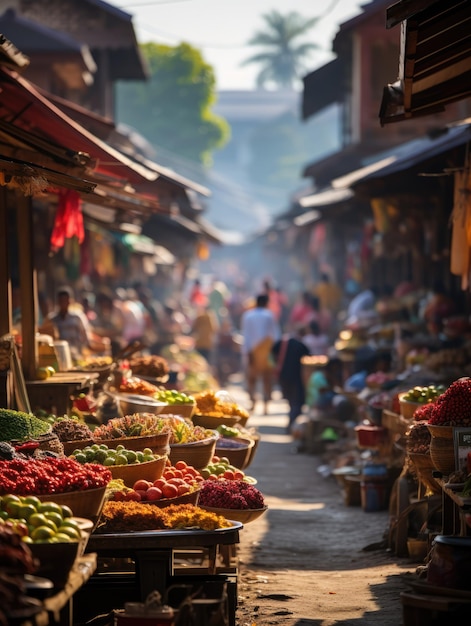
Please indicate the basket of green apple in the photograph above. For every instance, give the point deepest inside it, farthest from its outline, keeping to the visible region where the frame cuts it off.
(177, 402)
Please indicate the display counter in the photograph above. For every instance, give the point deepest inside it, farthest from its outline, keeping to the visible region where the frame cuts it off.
(54, 393)
(131, 565)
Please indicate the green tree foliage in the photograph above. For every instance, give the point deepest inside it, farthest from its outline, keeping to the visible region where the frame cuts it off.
(173, 109)
(282, 59)
(281, 148)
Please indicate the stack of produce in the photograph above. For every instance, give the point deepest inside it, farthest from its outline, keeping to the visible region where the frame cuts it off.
(39, 522)
(418, 438)
(453, 407)
(119, 517)
(230, 494)
(152, 366)
(136, 425)
(110, 457)
(423, 413)
(176, 481)
(212, 403)
(20, 426)
(50, 475)
(68, 429)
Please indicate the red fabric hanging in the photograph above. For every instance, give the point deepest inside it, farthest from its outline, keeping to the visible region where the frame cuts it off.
(69, 219)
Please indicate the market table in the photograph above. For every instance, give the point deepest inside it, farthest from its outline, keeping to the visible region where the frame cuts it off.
(155, 557)
(54, 393)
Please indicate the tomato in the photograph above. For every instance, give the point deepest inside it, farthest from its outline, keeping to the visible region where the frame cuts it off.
(181, 465)
(169, 491)
(175, 481)
(142, 493)
(141, 485)
(132, 496)
(153, 493)
(178, 473)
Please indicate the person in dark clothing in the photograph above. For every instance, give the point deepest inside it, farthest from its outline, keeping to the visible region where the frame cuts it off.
(287, 354)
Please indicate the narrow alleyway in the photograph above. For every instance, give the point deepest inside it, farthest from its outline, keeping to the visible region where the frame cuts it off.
(304, 562)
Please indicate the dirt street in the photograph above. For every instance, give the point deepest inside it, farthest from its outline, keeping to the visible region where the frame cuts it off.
(303, 563)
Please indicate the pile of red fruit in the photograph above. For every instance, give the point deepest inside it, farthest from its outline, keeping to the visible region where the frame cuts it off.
(453, 407)
(177, 480)
(230, 494)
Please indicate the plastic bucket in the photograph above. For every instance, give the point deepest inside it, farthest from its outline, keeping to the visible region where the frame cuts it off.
(374, 495)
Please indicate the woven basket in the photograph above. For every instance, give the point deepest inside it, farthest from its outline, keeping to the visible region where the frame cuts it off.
(159, 444)
(240, 456)
(87, 503)
(424, 467)
(148, 470)
(198, 453)
(253, 449)
(183, 410)
(187, 498)
(79, 444)
(211, 421)
(408, 408)
(442, 449)
(237, 515)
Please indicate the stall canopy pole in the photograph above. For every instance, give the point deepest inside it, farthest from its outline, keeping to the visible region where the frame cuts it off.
(5, 282)
(27, 285)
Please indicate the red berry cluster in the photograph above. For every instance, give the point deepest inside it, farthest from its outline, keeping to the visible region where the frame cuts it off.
(453, 407)
(230, 494)
(424, 412)
(50, 475)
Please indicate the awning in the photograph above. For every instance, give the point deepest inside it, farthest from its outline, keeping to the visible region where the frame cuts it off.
(419, 151)
(435, 58)
(33, 116)
(326, 197)
(322, 88)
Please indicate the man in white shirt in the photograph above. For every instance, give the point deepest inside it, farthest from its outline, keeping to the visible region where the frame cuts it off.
(259, 330)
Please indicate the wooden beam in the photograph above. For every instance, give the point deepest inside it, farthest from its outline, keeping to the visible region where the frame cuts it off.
(28, 286)
(5, 282)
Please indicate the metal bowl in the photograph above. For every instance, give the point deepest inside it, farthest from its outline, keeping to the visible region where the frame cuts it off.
(131, 403)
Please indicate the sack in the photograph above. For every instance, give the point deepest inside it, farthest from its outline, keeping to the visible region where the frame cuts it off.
(260, 357)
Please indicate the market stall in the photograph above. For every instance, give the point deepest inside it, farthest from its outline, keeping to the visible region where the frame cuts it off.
(164, 507)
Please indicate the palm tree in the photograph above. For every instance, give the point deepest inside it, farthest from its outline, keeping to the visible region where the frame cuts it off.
(282, 61)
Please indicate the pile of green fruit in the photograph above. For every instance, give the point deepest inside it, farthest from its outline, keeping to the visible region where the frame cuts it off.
(173, 396)
(423, 395)
(38, 522)
(220, 468)
(101, 454)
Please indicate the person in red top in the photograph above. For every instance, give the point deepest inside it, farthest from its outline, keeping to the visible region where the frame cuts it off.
(197, 297)
(303, 311)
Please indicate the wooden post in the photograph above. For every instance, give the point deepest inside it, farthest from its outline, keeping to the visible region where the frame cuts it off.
(5, 281)
(28, 285)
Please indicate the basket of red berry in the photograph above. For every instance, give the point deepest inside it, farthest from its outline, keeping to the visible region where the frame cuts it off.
(234, 499)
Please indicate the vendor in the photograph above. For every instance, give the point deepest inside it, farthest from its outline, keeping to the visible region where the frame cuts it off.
(71, 324)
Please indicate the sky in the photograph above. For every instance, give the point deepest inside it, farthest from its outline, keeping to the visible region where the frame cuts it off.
(222, 28)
